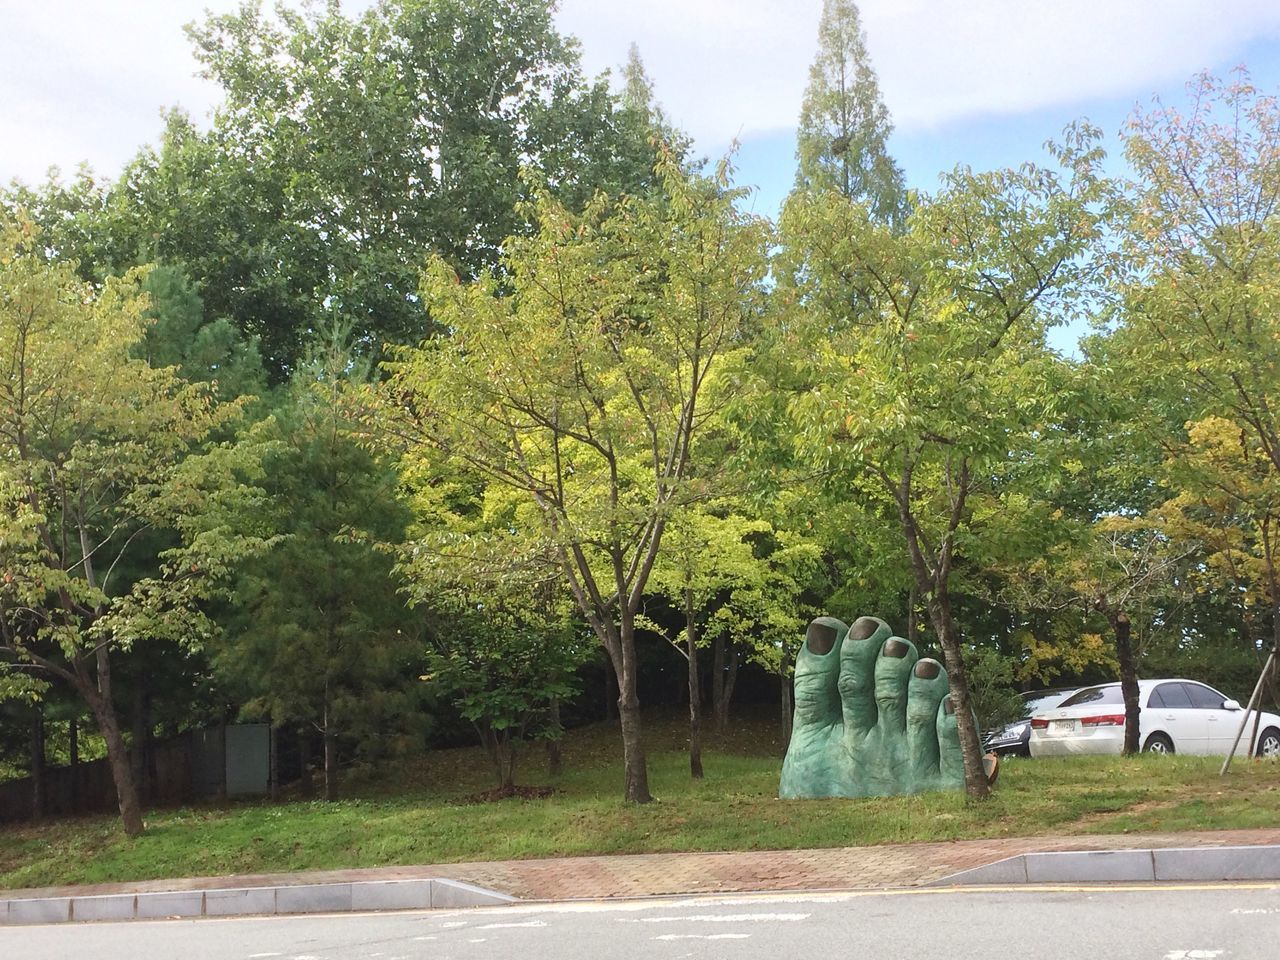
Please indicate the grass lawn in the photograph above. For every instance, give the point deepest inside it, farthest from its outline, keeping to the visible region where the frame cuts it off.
(419, 814)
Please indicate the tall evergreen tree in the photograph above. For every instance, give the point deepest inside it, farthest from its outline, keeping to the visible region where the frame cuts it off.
(320, 639)
(637, 87)
(841, 143)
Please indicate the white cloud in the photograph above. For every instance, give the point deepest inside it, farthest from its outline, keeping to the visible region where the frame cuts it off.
(85, 79)
(1008, 56)
(729, 66)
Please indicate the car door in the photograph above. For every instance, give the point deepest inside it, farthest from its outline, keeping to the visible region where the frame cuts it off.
(1174, 713)
(1220, 725)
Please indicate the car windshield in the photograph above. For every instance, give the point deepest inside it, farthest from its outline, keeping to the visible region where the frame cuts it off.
(1042, 701)
(1108, 694)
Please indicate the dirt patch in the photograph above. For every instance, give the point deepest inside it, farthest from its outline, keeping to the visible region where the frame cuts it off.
(1102, 816)
(506, 793)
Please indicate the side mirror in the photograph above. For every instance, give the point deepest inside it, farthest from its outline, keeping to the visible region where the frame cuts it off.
(1231, 705)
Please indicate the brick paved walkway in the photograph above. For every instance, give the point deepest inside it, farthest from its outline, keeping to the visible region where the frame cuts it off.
(843, 868)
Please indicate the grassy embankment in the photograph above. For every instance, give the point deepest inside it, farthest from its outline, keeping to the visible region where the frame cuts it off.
(418, 813)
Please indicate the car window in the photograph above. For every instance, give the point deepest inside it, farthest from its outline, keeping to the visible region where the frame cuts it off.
(1155, 700)
(1173, 696)
(1036, 704)
(1110, 694)
(1203, 698)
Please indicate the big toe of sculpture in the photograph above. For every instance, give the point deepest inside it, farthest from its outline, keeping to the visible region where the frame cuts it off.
(871, 717)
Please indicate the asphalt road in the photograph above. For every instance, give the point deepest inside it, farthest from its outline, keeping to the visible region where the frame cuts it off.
(1240, 922)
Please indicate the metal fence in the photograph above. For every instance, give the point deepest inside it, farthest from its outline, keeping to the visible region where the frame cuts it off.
(204, 764)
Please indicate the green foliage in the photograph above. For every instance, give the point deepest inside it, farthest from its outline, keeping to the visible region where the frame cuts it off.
(580, 383)
(99, 447)
(842, 140)
(203, 351)
(352, 147)
(1203, 262)
(504, 668)
(926, 352)
(122, 518)
(991, 681)
(318, 635)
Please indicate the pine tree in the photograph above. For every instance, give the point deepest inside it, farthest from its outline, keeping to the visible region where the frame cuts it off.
(641, 109)
(637, 87)
(841, 143)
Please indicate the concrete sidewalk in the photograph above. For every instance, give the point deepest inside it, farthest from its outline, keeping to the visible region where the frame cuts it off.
(567, 878)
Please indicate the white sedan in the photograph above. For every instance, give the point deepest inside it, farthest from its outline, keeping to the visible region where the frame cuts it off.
(1181, 716)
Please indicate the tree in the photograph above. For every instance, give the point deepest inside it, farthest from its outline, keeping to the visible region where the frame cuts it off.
(842, 139)
(1226, 497)
(708, 563)
(98, 450)
(505, 662)
(641, 109)
(202, 350)
(319, 636)
(1120, 568)
(351, 147)
(929, 360)
(583, 382)
(1203, 258)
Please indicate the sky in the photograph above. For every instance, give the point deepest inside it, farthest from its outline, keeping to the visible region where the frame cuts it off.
(982, 82)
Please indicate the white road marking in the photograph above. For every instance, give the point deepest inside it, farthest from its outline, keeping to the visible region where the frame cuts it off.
(1193, 954)
(452, 924)
(504, 926)
(1246, 911)
(723, 918)
(424, 938)
(703, 936)
(258, 956)
(477, 940)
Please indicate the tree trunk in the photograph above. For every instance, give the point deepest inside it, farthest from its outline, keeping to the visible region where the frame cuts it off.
(39, 788)
(913, 598)
(304, 757)
(73, 735)
(554, 760)
(1128, 680)
(330, 754)
(507, 747)
(274, 761)
(635, 770)
(104, 712)
(138, 741)
(610, 690)
(695, 692)
(975, 777)
(788, 707)
(727, 687)
(118, 758)
(222, 752)
(717, 680)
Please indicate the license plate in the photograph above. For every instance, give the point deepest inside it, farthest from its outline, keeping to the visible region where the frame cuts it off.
(1063, 726)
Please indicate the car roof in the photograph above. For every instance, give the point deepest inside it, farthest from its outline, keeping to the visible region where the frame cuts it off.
(1147, 683)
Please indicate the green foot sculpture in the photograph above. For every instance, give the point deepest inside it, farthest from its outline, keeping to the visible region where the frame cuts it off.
(871, 717)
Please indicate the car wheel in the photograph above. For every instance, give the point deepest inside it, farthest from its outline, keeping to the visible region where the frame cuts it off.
(1269, 743)
(1158, 743)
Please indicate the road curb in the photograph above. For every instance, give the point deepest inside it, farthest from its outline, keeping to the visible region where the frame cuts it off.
(434, 893)
(1207, 864)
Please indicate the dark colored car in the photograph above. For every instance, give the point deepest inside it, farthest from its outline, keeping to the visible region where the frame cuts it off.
(1013, 739)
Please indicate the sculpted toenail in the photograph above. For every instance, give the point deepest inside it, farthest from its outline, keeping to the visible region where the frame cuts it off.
(927, 669)
(895, 648)
(820, 637)
(863, 628)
